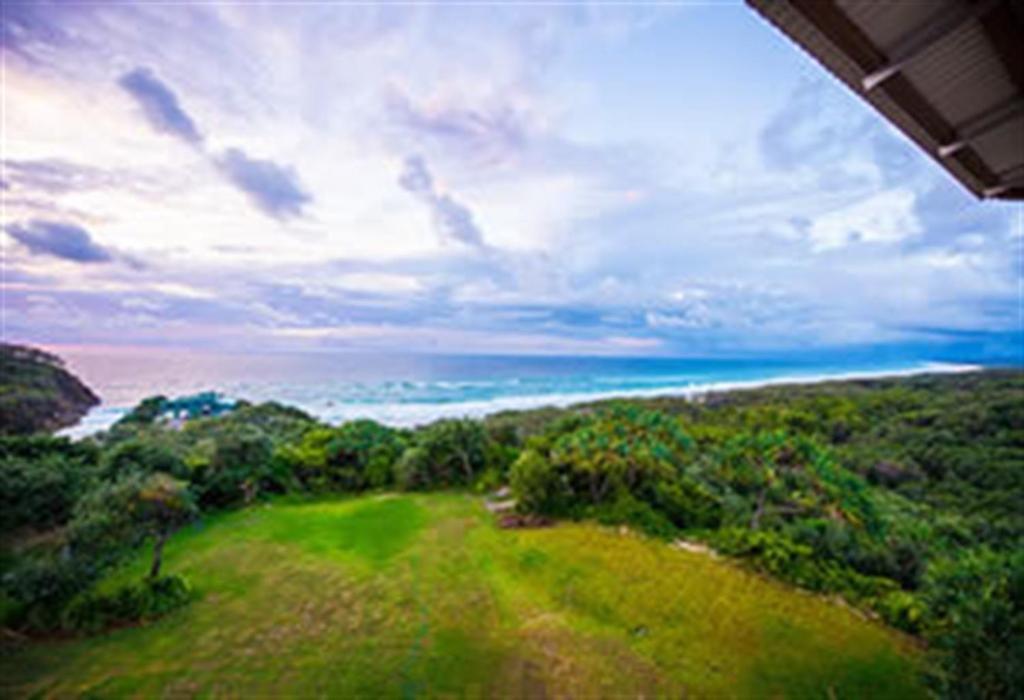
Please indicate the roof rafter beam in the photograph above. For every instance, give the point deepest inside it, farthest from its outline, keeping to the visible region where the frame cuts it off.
(924, 36)
(1008, 180)
(982, 124)
(1002, 188)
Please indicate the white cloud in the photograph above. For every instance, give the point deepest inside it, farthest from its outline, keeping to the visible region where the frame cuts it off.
(608, 220)
(887, 217)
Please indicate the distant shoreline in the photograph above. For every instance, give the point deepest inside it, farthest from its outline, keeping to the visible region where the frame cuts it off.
(412, 414)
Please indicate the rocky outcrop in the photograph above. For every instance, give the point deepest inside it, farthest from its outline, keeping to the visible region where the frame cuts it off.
(37, 393)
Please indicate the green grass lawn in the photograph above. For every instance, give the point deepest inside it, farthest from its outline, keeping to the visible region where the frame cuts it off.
(402, 596)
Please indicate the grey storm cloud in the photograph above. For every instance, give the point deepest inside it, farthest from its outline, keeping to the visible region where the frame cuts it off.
(160, 105)
(453, 219)
(274, 189)
(60, 240)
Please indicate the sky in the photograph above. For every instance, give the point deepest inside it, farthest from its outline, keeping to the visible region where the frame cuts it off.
(649, 179)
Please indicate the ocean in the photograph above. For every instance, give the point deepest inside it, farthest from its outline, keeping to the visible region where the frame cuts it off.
(412, 389)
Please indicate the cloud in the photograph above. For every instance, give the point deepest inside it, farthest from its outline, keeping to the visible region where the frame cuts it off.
(28, 28)
(887, 217)
(57, 176)
(489, 133)
(813, 128)
(559, 197)
(160, 105)
(453, 220)
(52, 176)
(273, 188)
(415, 177)
(60, 240)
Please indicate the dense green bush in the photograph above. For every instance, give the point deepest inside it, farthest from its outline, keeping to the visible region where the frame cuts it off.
(445, 453)
(687, 503)
(37, 492)
(352, 457)
(40, 479)
(234, 465)
(627, 510)
(144, 455)
(38, 586)
(537, 486)
(976, 623)
(619, 449)
(103, 526)
(93, 612)
(144, 413)
(280, 423)
(778, 555)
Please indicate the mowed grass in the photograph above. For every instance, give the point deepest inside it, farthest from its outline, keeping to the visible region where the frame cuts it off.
(406, 596)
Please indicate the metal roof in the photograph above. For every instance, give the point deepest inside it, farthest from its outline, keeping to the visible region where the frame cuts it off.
(948, 73)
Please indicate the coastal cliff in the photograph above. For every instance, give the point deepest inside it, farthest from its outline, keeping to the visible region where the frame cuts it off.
(37, 393)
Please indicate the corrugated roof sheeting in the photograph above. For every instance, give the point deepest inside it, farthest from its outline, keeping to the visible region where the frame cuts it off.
(1003, 148)
(886, 22)
(961, 76)
(933, 89)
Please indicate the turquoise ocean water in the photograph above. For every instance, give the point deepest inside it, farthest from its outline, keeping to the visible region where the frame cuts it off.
(413, 389)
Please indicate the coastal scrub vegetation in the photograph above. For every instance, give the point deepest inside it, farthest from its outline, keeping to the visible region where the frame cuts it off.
(901, 496)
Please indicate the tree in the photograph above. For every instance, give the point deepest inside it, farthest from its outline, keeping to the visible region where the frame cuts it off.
(445, 453)
(232, 464)
(622, 447)
(977, 623)
(118, 516)
(161, 506)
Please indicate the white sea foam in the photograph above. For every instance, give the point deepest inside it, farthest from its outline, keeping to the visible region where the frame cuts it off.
(409, 415)
(413, 413)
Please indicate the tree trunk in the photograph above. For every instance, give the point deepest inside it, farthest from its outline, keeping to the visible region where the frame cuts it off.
(755, 520)
(158, 555)
(467, 467)
(595, 495)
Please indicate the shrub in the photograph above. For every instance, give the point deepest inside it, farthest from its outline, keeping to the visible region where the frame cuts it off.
(37, 492)
(40, 480)
(537, 486)
(621, 448)
(627, 510)
(412, 470)
(778, 555)
(102, 526)
(236, 468)
(358, 455)
(94, 612)
(903, 610)
(144, 413)
(39, 586)
(142, 454)
(448, 452)
(687, 503)
(976, 630)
